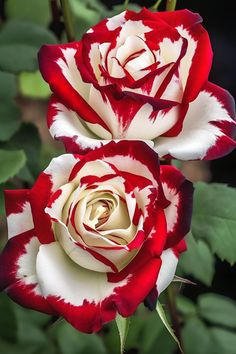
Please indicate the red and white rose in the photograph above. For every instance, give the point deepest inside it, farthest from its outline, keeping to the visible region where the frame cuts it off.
(141, 76)
(96, 234)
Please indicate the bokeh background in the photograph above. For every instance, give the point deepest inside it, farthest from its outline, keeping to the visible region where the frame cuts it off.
(24, 26)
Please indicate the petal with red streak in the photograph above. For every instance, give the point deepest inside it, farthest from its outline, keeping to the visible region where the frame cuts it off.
(18, 274)
(208, 128)
(18, 211)
(88, 299)
(179, 192)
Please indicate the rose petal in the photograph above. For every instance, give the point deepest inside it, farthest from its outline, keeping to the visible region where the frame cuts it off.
(64, 124)
(18, 274)
(207, 128)
(59, 69)
(18, 211)
(88, 299)
(167, 270)
(178, 213)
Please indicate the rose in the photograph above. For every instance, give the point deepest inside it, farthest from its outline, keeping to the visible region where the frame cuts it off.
(139, 76)
(96, 234)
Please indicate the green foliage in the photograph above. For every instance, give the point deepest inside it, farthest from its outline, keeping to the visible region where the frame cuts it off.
(28, 139)
(32, 85)
(123, 328)
(218, 309)
(147, 335)
(10, 119)
(70, 341)
(203, 331)
(186, 306)
(11, 162)
(86, 14)
(28, 10)
(223, 341)
(196, 337)
(213, 231)
(214, 219)
(119, 8)
(19, 45)
(198, 261)
(8, 88)
(8, 322)
(9, 112)
(166, 323)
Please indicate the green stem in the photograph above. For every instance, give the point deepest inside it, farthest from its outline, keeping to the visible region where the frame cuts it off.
(67, 16)
(156, 5)
(171, 303)
(126, 3)
(170, 5)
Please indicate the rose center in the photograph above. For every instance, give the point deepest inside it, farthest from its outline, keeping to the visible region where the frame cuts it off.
(100, 212)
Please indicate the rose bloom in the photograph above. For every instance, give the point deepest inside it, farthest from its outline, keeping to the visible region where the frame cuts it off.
(139, 76)
(96, 234)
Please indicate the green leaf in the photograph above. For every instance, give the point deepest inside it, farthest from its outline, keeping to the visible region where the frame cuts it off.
(214, 218)
(8, 88)
(28, 139)
(4, 186)
(185, 306)
(71, 341)
(85, 16)
(151, 330)
(224, 341)
(117, 9)
(16, 348)
(196, 337)
(123, 328)
(32, 85)
(34, 318)
(164, 320)
(198, 261)
(28, 10)
(218, 309)
(8, 322)
(10, 120)
(19, 45)
(177, 163)
(18, 57)
(22, 32)
(11, 162)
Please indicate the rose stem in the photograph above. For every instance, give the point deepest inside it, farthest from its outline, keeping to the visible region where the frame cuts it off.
(156, 5)
(170, 5)
(67, 16)
(171, 303)
(126, 3)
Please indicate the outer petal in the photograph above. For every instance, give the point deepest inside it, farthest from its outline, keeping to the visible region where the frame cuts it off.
(208, 128)
(88, 299)
(65, 125)
(18, 210)
(55, 175)
(58, 67)
(185, 18)
(136, 157)
(178, 214)
(167, 271)
(17, 272)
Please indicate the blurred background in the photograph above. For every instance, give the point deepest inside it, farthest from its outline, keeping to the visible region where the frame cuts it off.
(24, 26)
